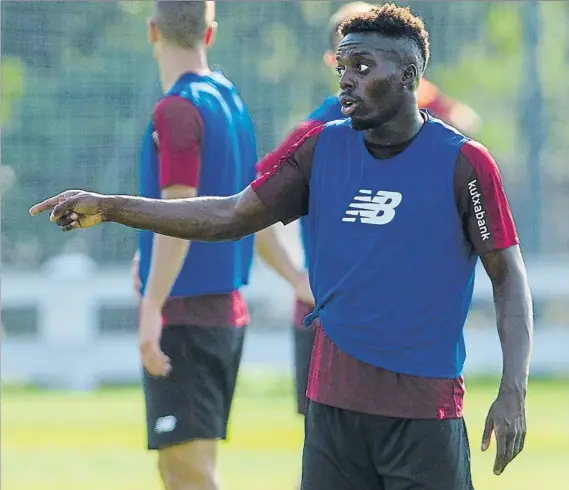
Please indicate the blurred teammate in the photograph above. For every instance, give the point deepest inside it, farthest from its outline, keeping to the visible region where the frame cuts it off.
(400, 207)
(200, 141)
(268, 244)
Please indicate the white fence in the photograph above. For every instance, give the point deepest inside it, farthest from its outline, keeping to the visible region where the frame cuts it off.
(69, 350)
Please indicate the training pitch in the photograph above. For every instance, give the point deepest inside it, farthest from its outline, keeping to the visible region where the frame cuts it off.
(96, 441)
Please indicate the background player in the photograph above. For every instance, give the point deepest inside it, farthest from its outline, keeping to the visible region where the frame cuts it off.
(268, 245)
(200, 141)
(392, 274)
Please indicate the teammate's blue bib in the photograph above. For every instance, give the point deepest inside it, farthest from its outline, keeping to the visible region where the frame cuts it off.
(228, 158)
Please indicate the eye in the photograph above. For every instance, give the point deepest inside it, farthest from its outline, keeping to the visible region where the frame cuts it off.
(362, 68)
(340, 70)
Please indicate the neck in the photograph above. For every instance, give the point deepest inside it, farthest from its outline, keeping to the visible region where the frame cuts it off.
(399, 129)
(174, 61)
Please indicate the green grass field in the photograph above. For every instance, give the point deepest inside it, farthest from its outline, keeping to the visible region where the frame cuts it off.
(62, 441)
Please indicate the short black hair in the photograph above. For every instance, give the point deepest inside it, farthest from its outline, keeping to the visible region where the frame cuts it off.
(345, 11)
(183, 22)
(392, 21)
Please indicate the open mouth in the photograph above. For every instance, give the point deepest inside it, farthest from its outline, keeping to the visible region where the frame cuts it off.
(348, 106)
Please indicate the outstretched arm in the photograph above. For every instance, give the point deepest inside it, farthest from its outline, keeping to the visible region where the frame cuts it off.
(208, 219)
(279, 195)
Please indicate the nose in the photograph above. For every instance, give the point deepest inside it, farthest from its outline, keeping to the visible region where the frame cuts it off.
(346, 81)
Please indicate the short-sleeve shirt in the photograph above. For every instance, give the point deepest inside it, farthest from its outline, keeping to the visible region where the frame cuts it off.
(178, 136)
(339, 380)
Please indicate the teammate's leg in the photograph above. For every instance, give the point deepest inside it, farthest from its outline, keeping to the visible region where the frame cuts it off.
(231, 373)
(187, 411)
(336, 452)
(422, 454)
(189, 466)
(303, 344)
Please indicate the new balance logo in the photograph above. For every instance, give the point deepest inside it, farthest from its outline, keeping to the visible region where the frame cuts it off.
(479, 212)
(165, 424)
(378, 209)
(155, 139)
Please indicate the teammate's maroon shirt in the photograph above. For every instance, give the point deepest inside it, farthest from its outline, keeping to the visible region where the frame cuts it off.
(178, 135)
(337, 379)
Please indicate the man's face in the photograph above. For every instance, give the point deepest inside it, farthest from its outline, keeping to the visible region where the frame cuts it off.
(371, 79)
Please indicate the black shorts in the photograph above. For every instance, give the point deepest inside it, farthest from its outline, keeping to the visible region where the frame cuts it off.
(347, 450)
(194, 400)
(303, 343)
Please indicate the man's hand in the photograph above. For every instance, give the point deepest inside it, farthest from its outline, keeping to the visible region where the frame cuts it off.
(154, 360)
(134, 271)
(302, 289)
(73, 209)
(507, 419)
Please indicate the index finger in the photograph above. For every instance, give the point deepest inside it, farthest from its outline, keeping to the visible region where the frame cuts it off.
(50, 203)
(501, 449)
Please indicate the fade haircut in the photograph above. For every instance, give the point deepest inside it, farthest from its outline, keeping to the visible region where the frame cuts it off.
(341, 15)
(394, 22)
(183, 22)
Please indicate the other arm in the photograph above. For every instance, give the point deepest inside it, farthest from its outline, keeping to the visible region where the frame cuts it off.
(179, 131)
(271, 250)
(514, 314)
(490, 228)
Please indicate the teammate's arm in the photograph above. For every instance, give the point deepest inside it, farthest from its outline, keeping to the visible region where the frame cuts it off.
(179, 133)
(456, 113)
(134, 273)
(271, 250)
(267, 243)
(280, 195)
(490, 228)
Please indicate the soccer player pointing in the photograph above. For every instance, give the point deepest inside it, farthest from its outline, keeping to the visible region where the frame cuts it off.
(267, 242)
(401, 206)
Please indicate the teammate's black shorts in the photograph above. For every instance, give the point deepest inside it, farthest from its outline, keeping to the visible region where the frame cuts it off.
(346, 450)
(303, 343)
(194, 400)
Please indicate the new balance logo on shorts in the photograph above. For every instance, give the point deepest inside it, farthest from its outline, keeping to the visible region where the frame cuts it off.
(378, 209)
(165, 424)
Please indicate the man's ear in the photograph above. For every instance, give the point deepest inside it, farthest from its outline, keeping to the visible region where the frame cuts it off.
(152, 32)
(410, 76)
(210, 33)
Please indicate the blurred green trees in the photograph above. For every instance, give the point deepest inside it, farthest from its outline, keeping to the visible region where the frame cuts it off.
(79, 83)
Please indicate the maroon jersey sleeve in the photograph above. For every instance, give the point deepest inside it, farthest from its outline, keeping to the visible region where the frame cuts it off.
(273, 158)
(284, 189)
(178, 135)
(481, 200)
